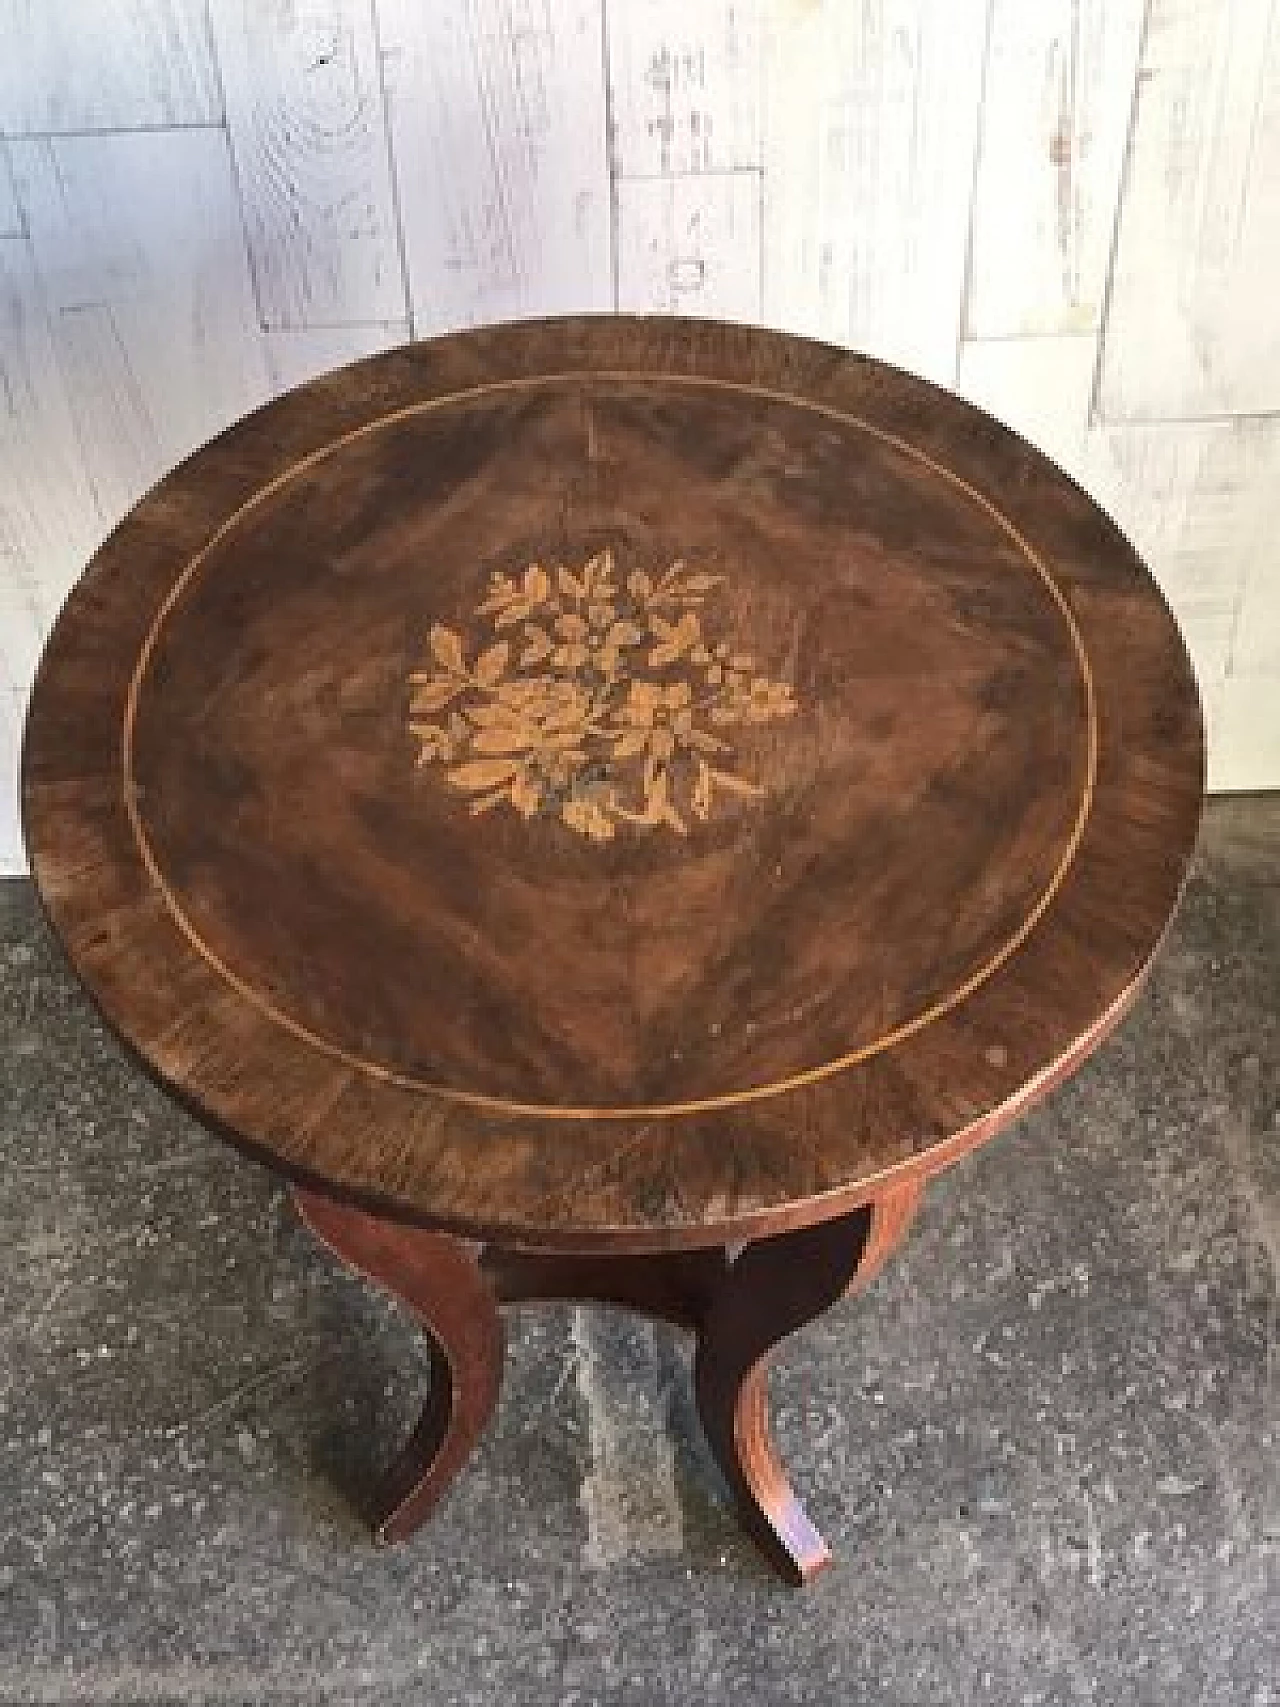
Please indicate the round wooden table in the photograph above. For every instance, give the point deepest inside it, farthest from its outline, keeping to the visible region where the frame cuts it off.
(608, 808)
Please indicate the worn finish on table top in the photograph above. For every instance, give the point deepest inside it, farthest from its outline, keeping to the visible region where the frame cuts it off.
(613, 783)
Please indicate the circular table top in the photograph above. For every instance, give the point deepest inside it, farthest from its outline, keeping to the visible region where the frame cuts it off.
(613, 783)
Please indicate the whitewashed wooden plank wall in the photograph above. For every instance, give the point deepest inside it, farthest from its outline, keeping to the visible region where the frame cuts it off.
(1069, 211)
(304, 114)
(871, 126)
(496, 122)
(10, 216)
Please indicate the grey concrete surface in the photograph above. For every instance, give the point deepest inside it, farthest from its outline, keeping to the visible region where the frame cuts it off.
(1043, 1446)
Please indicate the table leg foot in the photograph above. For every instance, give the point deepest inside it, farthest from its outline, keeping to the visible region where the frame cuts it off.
(774, 1287)
(439, 1279)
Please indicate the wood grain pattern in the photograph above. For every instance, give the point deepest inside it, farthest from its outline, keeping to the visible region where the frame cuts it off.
(1191, 495)
(305, 118)
(676, 1286)
(1192, 328)
(1197, 499)
(497, 118)
(10, 214)
(949, 891)
(684, 87)
(114, 65)
(1057, 99)
(528, 446)
(870, 126)
(690, 245)
(1255, 647)
(835, 164)
(440, 1282)
(49, 520)
(772, 1289)
(740, 1305)
(294, 357)
(139, 245)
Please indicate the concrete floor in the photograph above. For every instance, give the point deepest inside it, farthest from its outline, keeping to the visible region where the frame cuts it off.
(1043, 1447)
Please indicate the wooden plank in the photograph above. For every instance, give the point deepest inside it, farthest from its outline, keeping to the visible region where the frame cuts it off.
(305, 117)
(10, 213)
(139, 244)
(1193, 496)
(49, 521)
(295, 357)
(497, 122)
(1244, 744)
(119, 403)
(1208, 638)
(690, 245)
(1038, 386)
(1188, 493)
(684, 86)
(1255, 640)
(1192, 328)
(870, 121)
(1058, 96)
(115, 64)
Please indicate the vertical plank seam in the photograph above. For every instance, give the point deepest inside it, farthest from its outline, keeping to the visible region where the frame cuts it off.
(26, 576)
(55, 344)
(1122, 193)
(393, 170)
(1255, 121)
(761, 25)
(526, 241)
(966, 277)
(6, 173)
(610, 154)
(215, 59)
(486, 100)
(82, 444)
(1070, 237)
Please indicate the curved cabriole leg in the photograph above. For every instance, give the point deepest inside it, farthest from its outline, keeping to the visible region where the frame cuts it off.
(774, 1287)
(439, 1279)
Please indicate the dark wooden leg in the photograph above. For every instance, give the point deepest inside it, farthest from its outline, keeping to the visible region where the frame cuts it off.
(440, 1280)
(740, 1308)
(772, 1288)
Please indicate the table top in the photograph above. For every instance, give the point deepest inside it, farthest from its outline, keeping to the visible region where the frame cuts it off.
(613, 783)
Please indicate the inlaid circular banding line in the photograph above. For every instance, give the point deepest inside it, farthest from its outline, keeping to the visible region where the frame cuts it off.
(638, 1111)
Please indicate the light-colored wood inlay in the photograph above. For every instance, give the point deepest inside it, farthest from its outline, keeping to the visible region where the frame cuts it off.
(593, 698)
(748, 1093)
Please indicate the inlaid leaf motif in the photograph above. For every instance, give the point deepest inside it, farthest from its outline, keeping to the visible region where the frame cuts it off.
(434, 693)
(537, 646)
(592, 704)
(504, 738)
(674, 639)
(483, 773)
(700, 801)
(491, 664)
(537, 584)
(446, 648)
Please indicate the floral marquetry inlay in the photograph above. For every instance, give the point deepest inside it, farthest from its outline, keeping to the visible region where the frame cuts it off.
(598, 700)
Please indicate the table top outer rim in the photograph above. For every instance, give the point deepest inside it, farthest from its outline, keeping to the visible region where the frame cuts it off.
(1147, 806)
